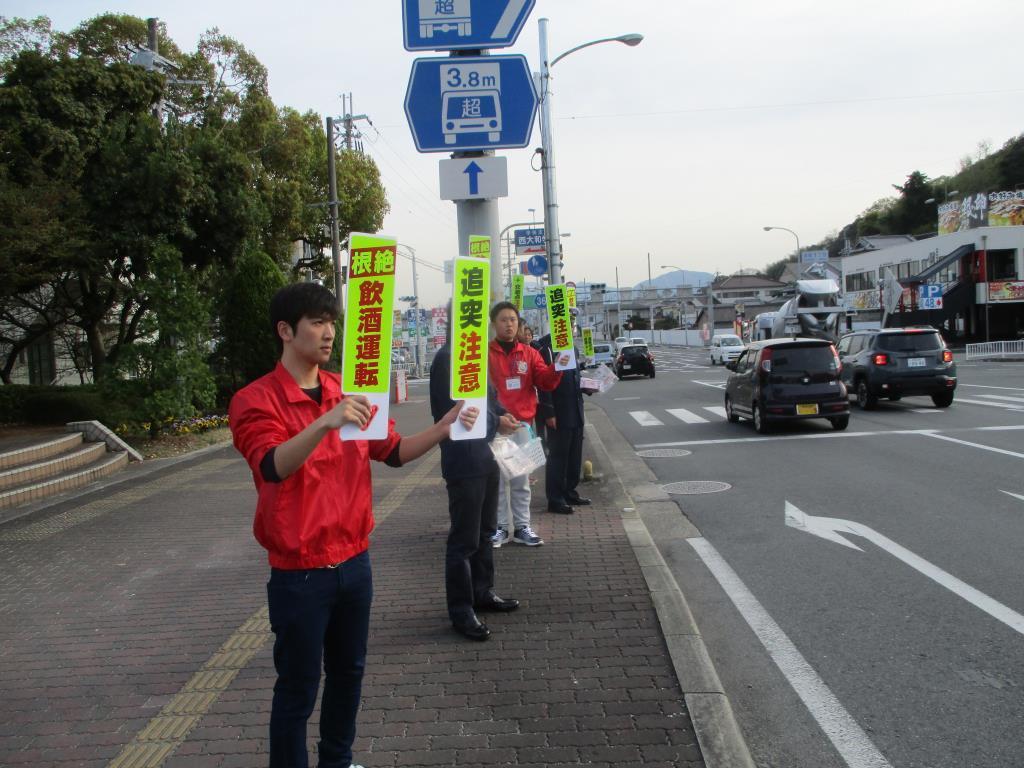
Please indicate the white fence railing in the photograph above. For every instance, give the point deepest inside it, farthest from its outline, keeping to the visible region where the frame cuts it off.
(995, 350)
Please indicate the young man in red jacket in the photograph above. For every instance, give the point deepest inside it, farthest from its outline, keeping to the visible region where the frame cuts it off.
(517, 372)
(314, 516)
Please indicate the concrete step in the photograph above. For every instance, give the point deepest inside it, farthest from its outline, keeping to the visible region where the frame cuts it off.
(64, 463)
(27, 451)
(108, 464)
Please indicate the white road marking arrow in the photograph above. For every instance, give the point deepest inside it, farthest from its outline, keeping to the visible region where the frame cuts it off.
(832, 528)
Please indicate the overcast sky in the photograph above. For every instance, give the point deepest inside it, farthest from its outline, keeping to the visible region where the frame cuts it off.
(728, 117)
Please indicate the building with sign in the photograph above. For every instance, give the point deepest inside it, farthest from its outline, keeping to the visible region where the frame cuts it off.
(980, 272)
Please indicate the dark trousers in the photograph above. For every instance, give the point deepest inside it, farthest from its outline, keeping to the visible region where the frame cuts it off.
(565, 462)
(469, 558)
(320, 615)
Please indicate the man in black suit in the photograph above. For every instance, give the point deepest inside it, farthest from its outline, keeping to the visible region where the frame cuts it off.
(471, 476)
(563, 414)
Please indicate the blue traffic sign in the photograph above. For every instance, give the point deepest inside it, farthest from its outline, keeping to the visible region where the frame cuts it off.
(470, 102)
(448, 25)
(537, 266)
(540, 301)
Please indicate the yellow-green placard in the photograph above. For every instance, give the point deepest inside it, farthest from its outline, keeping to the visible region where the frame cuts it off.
(518, 289)
(366, 366)
(469, 328)
(588, 342)
(480, 247)
(558, 317)
(570, 293)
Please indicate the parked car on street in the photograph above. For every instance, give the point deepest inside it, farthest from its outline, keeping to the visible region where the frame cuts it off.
(784, 380)
(725, 347)
(894, 362)
(634, 360)
(602, 354)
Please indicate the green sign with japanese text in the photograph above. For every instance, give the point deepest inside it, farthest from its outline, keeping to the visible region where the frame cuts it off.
(480, 247)
(518, 288)
(366, 365)
(558, 317)
(588, 342)
(468, 324)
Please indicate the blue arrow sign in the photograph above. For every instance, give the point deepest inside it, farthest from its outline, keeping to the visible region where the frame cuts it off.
(537, 265)
(448, 25)
(470, 102)
(474, 171)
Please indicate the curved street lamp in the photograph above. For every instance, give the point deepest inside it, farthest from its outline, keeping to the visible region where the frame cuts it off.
(551, 234)
(794, 234)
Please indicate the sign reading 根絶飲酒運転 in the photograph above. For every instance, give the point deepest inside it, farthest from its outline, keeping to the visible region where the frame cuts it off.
(469, 327)
(588, 342)
(518, 288)
(370, 295)
(480, 247)
(561, 327)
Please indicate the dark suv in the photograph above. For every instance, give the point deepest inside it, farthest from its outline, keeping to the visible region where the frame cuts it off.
(894, 362)
(634, 360)
(786, 379)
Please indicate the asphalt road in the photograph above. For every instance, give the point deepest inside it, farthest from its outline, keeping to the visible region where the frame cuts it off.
(899, 641)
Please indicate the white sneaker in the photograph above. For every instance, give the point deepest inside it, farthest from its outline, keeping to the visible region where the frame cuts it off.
(525, 535)
(500, 537)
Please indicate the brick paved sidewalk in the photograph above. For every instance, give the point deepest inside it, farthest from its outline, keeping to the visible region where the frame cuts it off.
(134, 633)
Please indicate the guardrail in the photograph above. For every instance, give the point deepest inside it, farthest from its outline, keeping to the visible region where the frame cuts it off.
(995, 350)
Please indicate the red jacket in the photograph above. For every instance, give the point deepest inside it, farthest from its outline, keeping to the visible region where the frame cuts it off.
(322, 513)
(524, 369)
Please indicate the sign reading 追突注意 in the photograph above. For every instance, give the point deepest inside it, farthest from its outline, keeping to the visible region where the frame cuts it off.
(561, 326)
(468, 327)
(366, 364)
(518, 287)
(588, 342)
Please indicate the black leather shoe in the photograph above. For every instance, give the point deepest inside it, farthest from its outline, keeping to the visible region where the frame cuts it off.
(498, 604)
(580, 501)
(560, 509)
(472, 628)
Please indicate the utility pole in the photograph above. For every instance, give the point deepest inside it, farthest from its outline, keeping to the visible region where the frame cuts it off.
(352, 134)
(332, 180)
(618, 303)
(547, 164)
(649, 287)
(416, 316)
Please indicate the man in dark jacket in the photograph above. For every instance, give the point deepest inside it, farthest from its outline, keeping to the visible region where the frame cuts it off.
(471, 476)
(563, 414)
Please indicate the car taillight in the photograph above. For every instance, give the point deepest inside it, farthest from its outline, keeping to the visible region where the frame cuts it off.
(650, 357)
(880, 359)
(766, 359)
(947, 356)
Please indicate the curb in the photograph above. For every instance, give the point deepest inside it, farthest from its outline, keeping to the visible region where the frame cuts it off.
(718, 734)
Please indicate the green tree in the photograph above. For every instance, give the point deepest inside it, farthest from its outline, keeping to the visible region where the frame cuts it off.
(246, 347)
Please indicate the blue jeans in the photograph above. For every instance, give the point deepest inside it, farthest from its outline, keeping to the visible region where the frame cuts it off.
(320, 615)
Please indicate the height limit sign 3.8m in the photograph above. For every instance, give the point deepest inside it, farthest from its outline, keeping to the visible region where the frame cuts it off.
(470, 103)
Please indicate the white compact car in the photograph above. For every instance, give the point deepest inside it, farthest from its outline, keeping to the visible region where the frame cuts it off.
(725, 348)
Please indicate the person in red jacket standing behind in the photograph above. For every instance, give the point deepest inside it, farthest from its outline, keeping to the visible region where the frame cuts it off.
(314, 514)
(517, 371)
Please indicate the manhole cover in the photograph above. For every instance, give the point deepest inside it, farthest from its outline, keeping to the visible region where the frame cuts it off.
(690, 487)
(662, 453)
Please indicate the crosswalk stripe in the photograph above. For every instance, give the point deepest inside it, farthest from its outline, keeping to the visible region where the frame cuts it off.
(1008, 406)
(688, 417)
(718, 410)
(646, 419)
(1005, 397)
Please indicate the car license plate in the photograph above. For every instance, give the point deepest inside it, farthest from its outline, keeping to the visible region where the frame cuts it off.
(915, 362)
(626, 366)
(806, 409)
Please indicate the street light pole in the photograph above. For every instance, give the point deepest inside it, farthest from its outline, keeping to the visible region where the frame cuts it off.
(552, 236)
(333, 203)
(794, 234)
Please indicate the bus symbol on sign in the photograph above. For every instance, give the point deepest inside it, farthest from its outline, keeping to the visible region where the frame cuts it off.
(445, 16)
(471, 101)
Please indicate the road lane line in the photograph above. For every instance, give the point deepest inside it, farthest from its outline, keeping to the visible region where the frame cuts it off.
(849, 739)
(774, 438)
(646, 419)
(718, 410)
(627, 398)
(1005, 406)
(990, 386)
(1004, 397)
(977, 445)
(687, 417)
